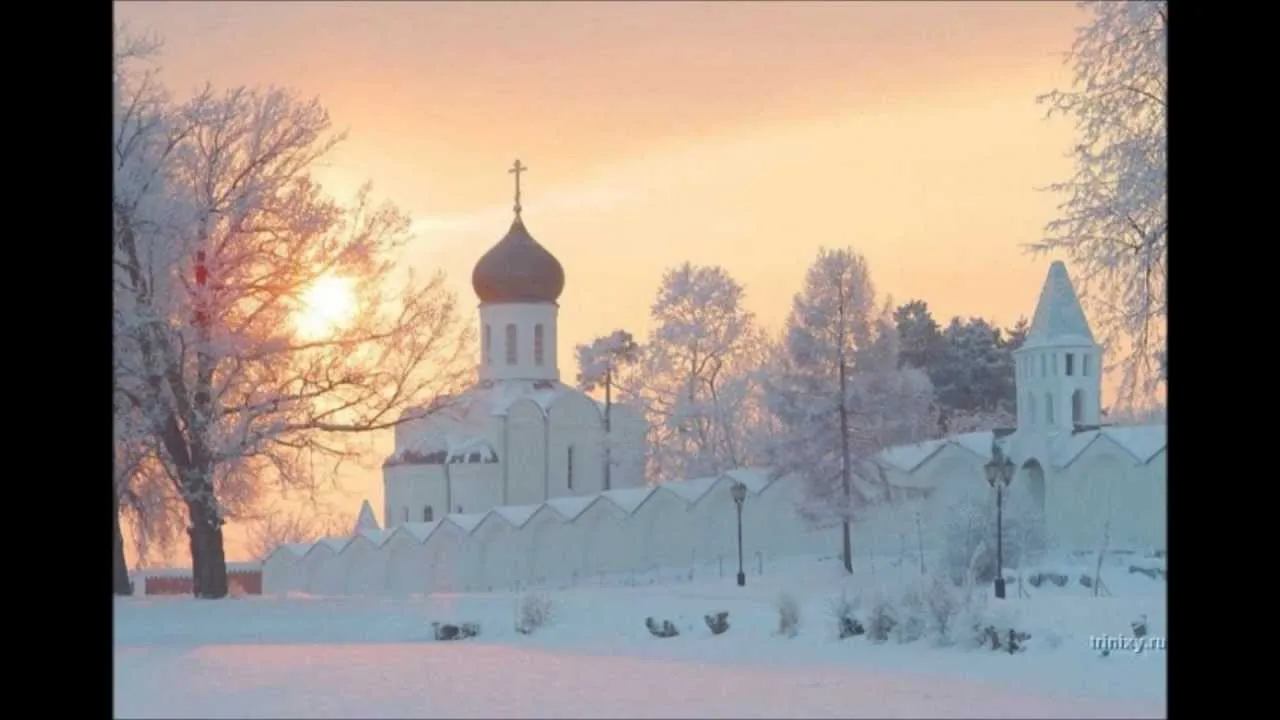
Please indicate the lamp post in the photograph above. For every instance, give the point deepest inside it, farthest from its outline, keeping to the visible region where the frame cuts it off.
(739, 493)
(999, 475)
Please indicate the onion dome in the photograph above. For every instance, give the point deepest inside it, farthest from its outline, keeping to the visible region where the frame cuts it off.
(518, 269)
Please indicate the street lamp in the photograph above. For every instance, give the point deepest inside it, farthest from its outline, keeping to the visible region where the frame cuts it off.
(999, 476)
(739, 493)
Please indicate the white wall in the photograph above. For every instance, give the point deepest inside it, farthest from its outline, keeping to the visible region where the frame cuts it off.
(525, 316)
(526, 454)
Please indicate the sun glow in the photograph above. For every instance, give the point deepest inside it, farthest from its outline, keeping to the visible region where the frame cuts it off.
(326, 306)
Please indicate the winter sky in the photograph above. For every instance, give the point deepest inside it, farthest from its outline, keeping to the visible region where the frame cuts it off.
(739, 134)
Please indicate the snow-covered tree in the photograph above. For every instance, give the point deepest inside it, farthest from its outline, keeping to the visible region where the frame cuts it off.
(598, 365)
(255, 322)
(696, 375)
(968, 527)
(839, 395)
(1113, 222)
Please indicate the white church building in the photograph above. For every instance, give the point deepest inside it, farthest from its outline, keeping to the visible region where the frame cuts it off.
(508, 485)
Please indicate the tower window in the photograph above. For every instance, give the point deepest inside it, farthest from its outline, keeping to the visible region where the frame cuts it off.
(569, 468)
(511, 344)
(1071, 364)
(1077, 407)
(427, 514)
(1053, 362)
(1031, 409)
(1044, 366)
(488, 345)
(537, 344)
(1084, 364)
(1048, 408)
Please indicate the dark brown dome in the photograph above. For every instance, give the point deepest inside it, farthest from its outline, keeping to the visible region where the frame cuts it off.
(518, 270)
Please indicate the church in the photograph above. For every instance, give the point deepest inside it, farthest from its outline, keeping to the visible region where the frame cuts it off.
(520, 436)
(522, 481)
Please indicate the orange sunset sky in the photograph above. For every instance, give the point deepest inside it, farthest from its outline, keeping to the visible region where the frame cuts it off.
(739, 134)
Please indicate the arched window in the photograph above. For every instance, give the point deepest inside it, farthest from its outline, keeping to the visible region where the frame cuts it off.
(569, 468)
(1044, 366)
(537, 344)
(1077, 406)
(1084, 364)
(1031, 409)
(1071, 364)
(1048, 408)
(488, 345)
(511, 344)
(427, 514)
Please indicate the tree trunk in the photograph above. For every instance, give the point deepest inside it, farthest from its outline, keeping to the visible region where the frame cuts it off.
(845, 480)
(208, 559)
(608, 406)
(119, 570)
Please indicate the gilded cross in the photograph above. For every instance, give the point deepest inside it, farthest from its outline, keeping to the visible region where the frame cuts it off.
(516, 170)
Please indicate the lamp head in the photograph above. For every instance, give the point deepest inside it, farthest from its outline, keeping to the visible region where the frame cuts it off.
(739, 492)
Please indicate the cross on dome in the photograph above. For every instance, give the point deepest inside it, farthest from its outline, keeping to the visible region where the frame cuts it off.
(516, 169)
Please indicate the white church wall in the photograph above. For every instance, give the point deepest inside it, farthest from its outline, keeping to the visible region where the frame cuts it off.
(407, 558)
(714, 518)
(1084, 497)
(498, 558)
(526, 453)
(661, 528)
(309, 567)
(473, 487)
(367, 565)
(953, 464)
(445, 558)
(1154, 515)
(525, 317)
(575, 422)
(549, 557)
(280, 571)
(409, 489)
(601, 539)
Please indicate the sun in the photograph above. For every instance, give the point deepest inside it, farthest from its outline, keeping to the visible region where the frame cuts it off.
(326, 306)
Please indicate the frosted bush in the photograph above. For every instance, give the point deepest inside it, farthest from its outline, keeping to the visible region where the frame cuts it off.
(844, 610)
(535, 612)
(788, 616)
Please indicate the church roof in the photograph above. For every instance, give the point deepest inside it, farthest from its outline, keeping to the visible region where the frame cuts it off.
(366, 520)
(518, 270)
(1059, 318)
(1143, 442)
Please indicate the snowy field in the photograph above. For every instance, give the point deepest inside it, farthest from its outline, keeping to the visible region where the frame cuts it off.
(375, 657)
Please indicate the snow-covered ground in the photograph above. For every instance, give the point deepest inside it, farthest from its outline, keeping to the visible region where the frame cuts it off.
(374, 657)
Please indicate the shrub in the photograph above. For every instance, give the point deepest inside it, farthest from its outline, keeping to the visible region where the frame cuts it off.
(842, 611)
(717, 622)
(535, 611)
(788, 616)
(881, 619)
(943, 600)
(664, 630)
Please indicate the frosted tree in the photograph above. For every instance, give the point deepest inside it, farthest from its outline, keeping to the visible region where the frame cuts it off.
(598, 366)
(968, 529)
(281, 526)
(839, 394)
(696, 375)
(226, 255)
(1113, 222)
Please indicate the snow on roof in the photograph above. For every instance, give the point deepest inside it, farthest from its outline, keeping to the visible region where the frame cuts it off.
(1143, 442)
(1059, 318)
(419, 531)
(629, 498)
(910, 457)
(977, 442)
(297, 549)
(467, 521)
(376, 536)
(692, 490)
(366, 520)
(755, 479)
(572, 506)
(334, 543)
(517, 515)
